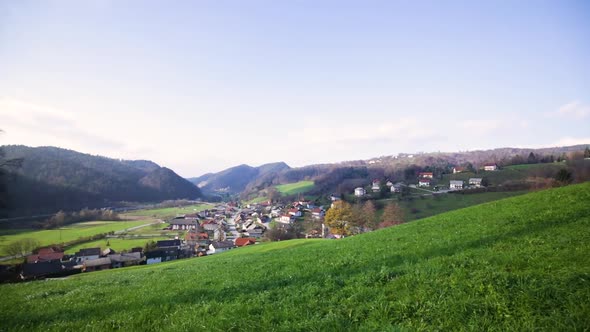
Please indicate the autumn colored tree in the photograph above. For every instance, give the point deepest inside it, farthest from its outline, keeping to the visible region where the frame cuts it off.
(340, 218)
(370, 215)
(392, 215)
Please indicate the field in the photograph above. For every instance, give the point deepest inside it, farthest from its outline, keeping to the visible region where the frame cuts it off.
(166, 213)
(517, 264)
(68, 233)
(426, 206)
(295, 188)
(115, 244)
(508, 173)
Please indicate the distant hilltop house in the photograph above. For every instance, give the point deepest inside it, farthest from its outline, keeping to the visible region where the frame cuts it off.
(459, 169)
(396, 188)
(426, 175)
(360, 192)
(490, 167)
(376, 187)
(425, 182)
(456, 185)
(476, 182)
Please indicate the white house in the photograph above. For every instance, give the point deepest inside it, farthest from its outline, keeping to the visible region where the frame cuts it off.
(456, 185)
(317, 213)
(476, 182)
(295, 212)
(376, 186)
(396, 188)
(360, 192)
(490, 167)
(426, 175)
(389, 183)
(286, 219)
(424, 182)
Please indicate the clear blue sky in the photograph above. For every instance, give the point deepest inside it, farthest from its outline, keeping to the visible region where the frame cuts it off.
(199, 86)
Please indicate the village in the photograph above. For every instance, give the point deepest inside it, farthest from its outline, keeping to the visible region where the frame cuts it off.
(224, 227)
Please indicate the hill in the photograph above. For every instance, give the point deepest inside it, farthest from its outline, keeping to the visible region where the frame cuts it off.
(234, 180)
(52, 179)
(343, 177)
(517, 264)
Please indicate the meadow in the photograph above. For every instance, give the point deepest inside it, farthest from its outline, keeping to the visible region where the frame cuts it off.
(516, 264)
(67, 233)
(425, 206)
(167, 213)
(508, 173)
(115, 243)
(295, 188)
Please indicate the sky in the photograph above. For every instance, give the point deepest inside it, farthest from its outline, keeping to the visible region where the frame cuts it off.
(199, 86)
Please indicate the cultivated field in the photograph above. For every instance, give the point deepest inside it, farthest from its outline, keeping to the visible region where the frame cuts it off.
(511, 265)
(67, 233)
(116, 244)
(166, 213)
(295, 188)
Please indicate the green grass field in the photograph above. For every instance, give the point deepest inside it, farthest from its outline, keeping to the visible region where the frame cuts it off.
(295, 188)
(166, 213)
(517, 264)
(508, 173)
(115, 244)
(68, 233)
(427, 206)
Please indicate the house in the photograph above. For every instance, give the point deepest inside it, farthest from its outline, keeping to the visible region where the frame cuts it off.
(244, 241)
(161, 255)
(220, 246)
(396, 188)
(424, 182)
(360, 192)
(490, 167)
(295, 212)
(334, 197)
(166, 244)
(45, 255)
(459, 169)
(45, 269)
(426, 175)
(376, 186)
(317, 213)
(210, 225)
(256, 232)
(126, 259)
(286, 219)
(456, 185)
(476, 182)
(87, 254)
(96, 264)
(183, 224)
(389, 183)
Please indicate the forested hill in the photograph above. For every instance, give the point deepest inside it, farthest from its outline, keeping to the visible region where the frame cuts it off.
(236, 179)
(51, 179)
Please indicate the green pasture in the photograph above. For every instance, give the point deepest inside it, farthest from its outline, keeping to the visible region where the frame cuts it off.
(517, 264)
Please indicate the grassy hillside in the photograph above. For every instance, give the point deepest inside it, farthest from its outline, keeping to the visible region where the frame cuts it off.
(508, 173)
(295, 188)
(516, 264)
(426, 206)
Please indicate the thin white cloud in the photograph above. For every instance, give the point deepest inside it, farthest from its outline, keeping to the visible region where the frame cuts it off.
(37, 125)
(574, 109)
(567, 141)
